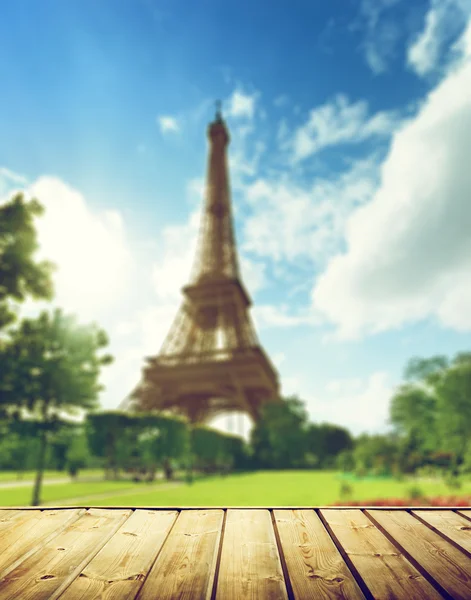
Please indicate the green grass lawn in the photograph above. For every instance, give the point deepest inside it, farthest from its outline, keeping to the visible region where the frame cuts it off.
(21, 496)
(295, 488)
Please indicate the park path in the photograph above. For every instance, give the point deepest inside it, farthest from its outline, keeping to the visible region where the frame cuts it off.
(28, 482)
(126, 492)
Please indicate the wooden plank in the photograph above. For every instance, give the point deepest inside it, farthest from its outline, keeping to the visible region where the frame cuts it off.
(250, 564)
(48, 572)
(315, 567)
(118, 570)
(30, 534)
(450, 567)
(15, 518)
(453, 526)
(385, 571)
(186, 564)
(6, 514)
(465, 513)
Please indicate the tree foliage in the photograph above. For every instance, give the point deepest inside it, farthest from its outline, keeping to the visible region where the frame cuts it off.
(325, 441)
(432, 411)
(20, 275)
(49, 369)
(279, 437)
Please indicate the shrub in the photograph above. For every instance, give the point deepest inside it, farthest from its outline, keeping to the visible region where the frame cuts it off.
(443, 501)
(361, 472)
(453, 482)
(414, 492)
(346, 490)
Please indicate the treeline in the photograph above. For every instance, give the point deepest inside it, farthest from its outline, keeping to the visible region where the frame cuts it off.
(139, 445)
(143, 444)
(430, 420)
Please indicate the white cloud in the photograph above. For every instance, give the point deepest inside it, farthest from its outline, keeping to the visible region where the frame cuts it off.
(176, 255)
(10, 182)
(241, 105)
(443, 22)
(381, 33)
(253, 274)
(462, 47)
(267, 316)
(196, 189)
(423, 53)
(125, 328)
(409, 249)
(281, 100)
(340, 122)
(465, 41)
(361, 405)
(89, 248)
(168, 124)
(12, 177)
(380, 46)
(290, 222)
(278, 359)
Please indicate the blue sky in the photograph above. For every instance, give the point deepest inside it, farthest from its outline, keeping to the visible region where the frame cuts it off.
(350, 124)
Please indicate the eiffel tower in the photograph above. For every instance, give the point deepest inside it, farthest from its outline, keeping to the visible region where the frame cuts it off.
(211, 361)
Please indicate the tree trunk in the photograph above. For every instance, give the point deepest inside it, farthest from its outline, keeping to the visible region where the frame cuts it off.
(168, 470)
(40, 468)
(189, 470)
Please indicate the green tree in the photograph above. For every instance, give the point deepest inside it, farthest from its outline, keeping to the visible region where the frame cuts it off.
(20, 275)
(453, 391)
(77, 454)
(345, 461)
(326, 441)
(49, 369)
(432, 412)
(278, 439)
(425, 370)
(162, 440)
(109, 434)
(413, 412)
(376, 454)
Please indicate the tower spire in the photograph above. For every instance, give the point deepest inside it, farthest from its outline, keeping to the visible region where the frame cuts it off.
(216, 255)
(218, 110)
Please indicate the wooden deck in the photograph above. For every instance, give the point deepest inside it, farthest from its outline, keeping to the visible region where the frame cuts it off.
(234, 553)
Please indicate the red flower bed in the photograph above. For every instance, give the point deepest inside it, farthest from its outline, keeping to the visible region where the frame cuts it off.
(437, 501)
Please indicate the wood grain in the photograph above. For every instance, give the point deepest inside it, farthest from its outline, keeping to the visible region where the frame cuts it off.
(120, 567)
(315, 567)
(385, 571)
(186, 564)
(450, 567)
(46, 573)
(15, 518)
(250, 564)
(453, 526)
(30, 535)
(6, 515)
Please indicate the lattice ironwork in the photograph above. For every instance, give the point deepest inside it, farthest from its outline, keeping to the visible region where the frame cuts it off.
(211, 360)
